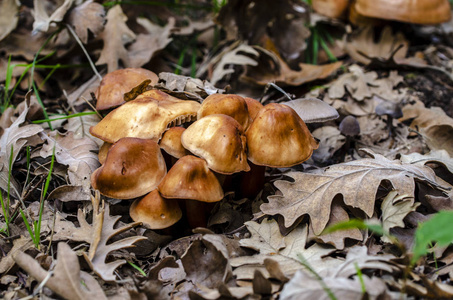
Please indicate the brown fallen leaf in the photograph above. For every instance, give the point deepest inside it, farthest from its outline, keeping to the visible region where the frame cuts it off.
(40, 12)
(8, 17)
(305, 286)
(285, 250)
(103, 229)
(363, 41)
(115, 35)
(80, 127)
(66, 230)
(394, 209)
(271, 68)
(23, 243)
(88, 16)
(66, 279)
(357, 181)
(330, 140)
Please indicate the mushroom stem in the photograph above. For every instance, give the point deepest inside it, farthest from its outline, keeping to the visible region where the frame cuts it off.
(197, 213)
(252, 182)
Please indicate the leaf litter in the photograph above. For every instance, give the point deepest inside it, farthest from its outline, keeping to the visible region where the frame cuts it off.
(253, 248)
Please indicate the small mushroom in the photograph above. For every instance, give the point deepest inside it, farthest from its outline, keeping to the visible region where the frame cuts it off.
(220, 140)
(190, 179)
(155, 212)
(103, 150)
(133, 167)
(172, 146)
(409, 11)
(231, 105)
(349, 127)
(114, 85)
(312, 110)
(392, 110)
(331, 8)
(253, 106)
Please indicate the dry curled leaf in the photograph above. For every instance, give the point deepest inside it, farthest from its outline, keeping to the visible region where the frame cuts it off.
(357, 181)
(8, 17)
(42, 9)
(287, 251)
(66, 280)
(23, 243)
(115, 35)
(87, 16)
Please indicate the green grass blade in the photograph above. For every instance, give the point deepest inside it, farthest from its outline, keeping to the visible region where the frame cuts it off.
(42, 104)
(30, 230)
(137, 268)
(65, 117)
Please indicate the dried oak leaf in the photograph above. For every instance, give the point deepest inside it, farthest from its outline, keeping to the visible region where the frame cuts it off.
(8, 17)
(66, 230)
(21, 244)
(285, 250)
(58, 10)
(394, 209)
(357, 181)
(87, 16)
(437, 157)
(146, 45)
(433, 124)
(103, 229)
(80, 127)
(363, 41)
(66, 280)
(15, 138)
(115, 35)
(271, 68)
(305, 286)
(75, 153)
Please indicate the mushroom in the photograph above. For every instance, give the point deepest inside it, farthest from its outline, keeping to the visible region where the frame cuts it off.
(190, 179)
(133, 167)
(288, 140)
(103, 150)
(144, 117)
(278, 137)
(155, 212)
(227, 104)
(392, 110)
(410, 11)
(114, 85)
(349, 127)
(220, 140)
(253, 106)
(172, 146)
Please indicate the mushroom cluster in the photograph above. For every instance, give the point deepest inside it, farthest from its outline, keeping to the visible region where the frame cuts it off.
(227, 134)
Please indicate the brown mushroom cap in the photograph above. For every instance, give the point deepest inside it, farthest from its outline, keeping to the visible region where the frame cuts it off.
(330, 8)
(220, 140)
(227, 104)
(190, 178)
(144, 117)
(110, 92)
(133, 167)
(171, 142)
(103, 150)
(410, 11)
(155, 212)
(279, 138)
(254, 106)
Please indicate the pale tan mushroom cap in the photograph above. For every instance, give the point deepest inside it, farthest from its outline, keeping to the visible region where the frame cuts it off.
(103, 150)
(330, 8)
(133, 167)
(110, 92)
(190, 178)
(220, 140)
(410, 11)
(145, 118)
(279, 138)
(254, 106)
(227, 104)
(155, 212)
(171, 142)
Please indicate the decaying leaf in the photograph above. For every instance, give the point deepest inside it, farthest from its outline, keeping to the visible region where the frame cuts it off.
(66, 280)
(15, 138)
(103, 229)
(77, 154)
(432, 123)
(362, 41)
(271, 68)
(394, 209)
(115, 35)
(87, 16)
(304, 286)
(285, 250)
(146, 45)
(235, 56)
(330, 140)
(41, 14)
(8, 17)
(80, 127)
(357, 181)
(23, 243)
(66, 230)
